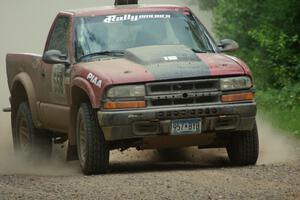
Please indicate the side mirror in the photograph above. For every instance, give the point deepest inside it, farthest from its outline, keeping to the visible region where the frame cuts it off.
(227, 45)
(55, 57)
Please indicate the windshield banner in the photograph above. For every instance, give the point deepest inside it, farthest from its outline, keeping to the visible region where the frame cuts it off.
(134, 18)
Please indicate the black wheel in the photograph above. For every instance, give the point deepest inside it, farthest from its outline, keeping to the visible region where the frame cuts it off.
(243, 148)
(93, 150)
(29, 142)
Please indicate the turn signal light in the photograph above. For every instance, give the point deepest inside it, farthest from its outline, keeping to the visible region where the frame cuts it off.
(125, 104)
(238, 97)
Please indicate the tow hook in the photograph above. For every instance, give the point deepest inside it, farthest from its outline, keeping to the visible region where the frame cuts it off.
(8, 109)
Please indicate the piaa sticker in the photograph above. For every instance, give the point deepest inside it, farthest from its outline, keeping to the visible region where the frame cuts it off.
(94, 79)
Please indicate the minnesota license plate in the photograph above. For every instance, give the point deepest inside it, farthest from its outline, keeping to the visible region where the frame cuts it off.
(186, 126)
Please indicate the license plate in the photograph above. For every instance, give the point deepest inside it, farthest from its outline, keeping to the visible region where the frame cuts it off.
(186, 126)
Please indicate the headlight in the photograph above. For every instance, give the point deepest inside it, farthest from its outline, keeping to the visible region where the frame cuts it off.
(236, 83)
(126, 91)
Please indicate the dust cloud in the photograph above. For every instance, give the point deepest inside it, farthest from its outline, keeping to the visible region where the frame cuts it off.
(24, 28)
(9, 164)
(275, 145)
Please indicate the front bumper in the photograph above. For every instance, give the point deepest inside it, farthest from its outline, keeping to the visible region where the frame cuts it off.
(219, 118)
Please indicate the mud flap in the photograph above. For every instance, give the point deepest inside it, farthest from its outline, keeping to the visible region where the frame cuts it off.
(72, 153)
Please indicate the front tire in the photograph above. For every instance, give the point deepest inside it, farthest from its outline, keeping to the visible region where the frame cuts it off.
(93, 150)
(243, 148)
(30, 143)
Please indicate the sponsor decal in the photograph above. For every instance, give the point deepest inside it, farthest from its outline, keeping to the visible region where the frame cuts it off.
(133, 18)
(170, 58)
(94, 80)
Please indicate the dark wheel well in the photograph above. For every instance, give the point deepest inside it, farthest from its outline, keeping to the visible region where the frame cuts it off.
(78, 96)
(18, 95)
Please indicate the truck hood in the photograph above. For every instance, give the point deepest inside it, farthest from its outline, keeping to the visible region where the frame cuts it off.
(157, 63)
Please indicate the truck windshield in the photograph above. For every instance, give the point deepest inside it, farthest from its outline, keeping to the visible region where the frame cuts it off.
(120, 32)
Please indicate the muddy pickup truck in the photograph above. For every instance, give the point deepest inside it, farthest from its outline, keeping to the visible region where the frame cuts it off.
(142, 76)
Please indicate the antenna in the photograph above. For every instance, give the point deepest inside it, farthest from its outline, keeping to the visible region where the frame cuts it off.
(125, 2)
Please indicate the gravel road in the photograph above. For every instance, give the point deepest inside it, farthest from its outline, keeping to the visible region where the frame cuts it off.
(191, 174)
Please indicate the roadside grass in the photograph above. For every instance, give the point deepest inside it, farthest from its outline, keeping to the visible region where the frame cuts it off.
(288, 120)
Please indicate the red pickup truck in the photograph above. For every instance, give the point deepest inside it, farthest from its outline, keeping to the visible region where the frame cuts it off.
(143, 76)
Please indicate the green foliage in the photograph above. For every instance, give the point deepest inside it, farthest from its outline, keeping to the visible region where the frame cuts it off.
(285, 118)
(288, 98)
(207, 4)
(269, 36)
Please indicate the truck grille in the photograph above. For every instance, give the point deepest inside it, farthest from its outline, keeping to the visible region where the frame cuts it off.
(183, 92)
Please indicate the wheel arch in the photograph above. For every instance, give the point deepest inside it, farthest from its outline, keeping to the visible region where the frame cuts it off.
(83, 85)
(81, 91)
(22, 89)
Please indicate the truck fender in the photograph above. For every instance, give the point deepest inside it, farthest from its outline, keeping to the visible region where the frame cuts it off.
(87, 88)
(24, 79)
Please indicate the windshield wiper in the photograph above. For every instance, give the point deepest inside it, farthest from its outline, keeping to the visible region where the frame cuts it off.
(200, 50)
(100, 53)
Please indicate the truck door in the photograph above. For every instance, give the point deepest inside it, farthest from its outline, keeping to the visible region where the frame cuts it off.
(55, 79)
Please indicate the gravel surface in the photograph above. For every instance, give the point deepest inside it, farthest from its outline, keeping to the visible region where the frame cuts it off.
(184, 181)
(189, 174)
(194, 174)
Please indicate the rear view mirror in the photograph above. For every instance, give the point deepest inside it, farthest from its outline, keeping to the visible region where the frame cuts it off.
(55, 57)
(227, 45)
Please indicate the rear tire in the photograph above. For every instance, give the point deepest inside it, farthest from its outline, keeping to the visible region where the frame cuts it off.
(30, 143)
(243, 148)
(93, 150)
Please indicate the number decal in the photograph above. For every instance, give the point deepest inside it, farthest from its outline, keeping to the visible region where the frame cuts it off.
(58, 88)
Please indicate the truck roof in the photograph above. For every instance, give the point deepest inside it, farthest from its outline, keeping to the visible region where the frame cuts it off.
(107, 10)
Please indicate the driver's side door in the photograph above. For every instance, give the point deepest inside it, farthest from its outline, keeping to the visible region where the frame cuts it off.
(55, 78)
